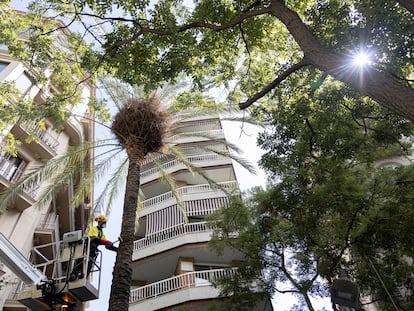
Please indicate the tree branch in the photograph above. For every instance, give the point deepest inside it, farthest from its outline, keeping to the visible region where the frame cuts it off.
(228, 25)
(304, 62)
(376, 84)
(408, 4)
(297, 285)
(311, 137)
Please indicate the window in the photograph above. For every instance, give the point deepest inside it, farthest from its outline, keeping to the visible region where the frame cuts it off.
(3, 65)
(196, 218)
(11, 167)
(205, 267)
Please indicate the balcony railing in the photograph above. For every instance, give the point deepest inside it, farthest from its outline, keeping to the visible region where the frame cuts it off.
(205, 206)
(201, 125)
(203, 188)
(178, 282)
(172, 233)
(184, 149)
(176, 162)
(43, 135)
(209, 134)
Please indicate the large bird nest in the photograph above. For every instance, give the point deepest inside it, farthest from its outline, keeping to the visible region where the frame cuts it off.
(141, 126)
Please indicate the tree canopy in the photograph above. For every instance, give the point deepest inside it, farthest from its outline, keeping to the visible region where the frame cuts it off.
(339, 197)
(250, 47)
(51, 57)
(294, 59)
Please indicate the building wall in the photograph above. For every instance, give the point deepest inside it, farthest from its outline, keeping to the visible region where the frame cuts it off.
(25, 225)
(173, 265)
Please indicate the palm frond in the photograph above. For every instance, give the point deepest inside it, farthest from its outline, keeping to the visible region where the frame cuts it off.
(89, 178)
(245, 163)
(57, 173)
(113, 186)
(220, 141)
(67, 163)
(170, 181)
(103, 166)
(177, 152)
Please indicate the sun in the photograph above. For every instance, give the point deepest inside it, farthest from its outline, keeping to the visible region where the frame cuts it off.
(361, 59)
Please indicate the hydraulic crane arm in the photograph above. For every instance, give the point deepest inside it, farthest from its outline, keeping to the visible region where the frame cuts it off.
(69, 283)
(17, 263)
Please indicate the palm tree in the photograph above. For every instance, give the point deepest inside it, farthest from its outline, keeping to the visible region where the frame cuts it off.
(142, 128)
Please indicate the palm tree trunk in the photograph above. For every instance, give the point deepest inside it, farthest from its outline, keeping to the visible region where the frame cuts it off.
(122, 274)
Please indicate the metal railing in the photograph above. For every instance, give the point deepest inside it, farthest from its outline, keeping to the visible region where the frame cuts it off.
(207, 134)
(176, 162)
(43, 135)
(172, 233)
(188, 150)
(178, 282)
(12, 173)
(228, 185)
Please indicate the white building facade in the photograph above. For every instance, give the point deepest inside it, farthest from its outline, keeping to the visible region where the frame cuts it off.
(172, 264)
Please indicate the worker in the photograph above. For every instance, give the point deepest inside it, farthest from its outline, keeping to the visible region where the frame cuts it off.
(97, 237)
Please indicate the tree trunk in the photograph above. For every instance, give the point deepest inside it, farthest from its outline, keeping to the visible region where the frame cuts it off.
(122, 274)
(380, 86)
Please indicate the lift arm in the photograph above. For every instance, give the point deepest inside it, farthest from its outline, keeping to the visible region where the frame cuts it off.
(19, 264)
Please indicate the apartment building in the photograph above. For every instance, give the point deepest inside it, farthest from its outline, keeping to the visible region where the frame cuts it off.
(22, 224)
(172, 264)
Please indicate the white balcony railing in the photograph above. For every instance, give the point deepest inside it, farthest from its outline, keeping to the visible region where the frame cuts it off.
(179, 282)
(177, 163)
(43, 135)
(205, 206)
(172, 233)
(203, 188)
(209, 134)
(188, 150)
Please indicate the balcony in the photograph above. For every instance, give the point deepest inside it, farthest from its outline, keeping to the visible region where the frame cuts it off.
(10, 172)
(197, 125)
(47, 144)
(186, 194)
(181, 288)
(186, 149)
(199, 160)
(199, 136)
(181, 234)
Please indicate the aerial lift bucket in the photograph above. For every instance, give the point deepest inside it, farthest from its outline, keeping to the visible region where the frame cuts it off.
(64, 264)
